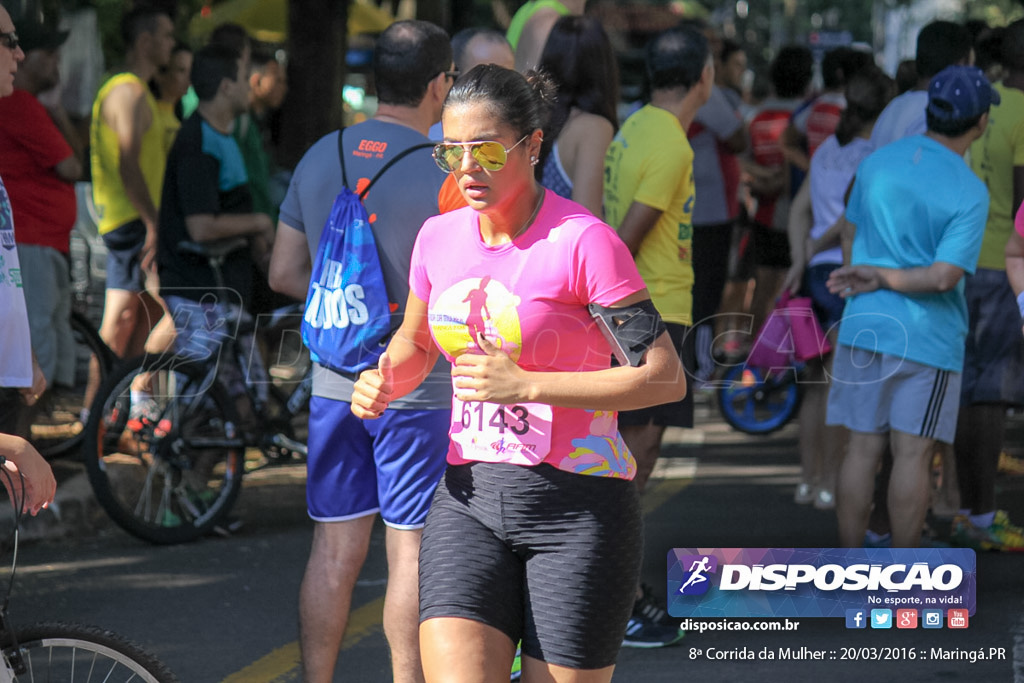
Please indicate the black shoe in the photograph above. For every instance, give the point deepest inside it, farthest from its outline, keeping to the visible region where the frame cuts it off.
(642, 633)
(650, 607)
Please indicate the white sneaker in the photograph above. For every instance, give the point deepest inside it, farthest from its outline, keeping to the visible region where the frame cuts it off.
(804, 494)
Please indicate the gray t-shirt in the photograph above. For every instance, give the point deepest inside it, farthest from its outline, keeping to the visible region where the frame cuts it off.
(716, 121)
(902, 117)
(398, 203)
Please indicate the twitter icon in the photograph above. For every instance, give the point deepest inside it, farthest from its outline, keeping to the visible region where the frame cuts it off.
(881, 618)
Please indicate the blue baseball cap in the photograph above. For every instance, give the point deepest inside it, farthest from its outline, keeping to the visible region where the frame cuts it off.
(959, 93)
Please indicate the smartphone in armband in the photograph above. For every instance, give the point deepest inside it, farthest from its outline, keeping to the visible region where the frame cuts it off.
(630, 330)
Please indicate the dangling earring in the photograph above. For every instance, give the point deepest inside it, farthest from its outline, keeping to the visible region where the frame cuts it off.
(533, 161)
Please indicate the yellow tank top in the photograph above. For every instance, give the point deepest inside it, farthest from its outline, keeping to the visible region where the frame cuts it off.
(108, 193)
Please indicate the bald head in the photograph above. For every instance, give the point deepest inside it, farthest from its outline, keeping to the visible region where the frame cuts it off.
(473, 46)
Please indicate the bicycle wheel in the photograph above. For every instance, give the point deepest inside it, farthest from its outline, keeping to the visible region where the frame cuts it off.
(162, 450)
(755, 401)
(57, 427)
(72, 653)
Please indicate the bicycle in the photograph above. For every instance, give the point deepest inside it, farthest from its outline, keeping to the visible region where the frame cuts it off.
(57, 426)
(67, 652)
(173, 474)
(760, 401)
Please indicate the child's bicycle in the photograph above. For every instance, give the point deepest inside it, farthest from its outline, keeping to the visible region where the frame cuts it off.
(757, 400)
(171, 472)
(64, 652)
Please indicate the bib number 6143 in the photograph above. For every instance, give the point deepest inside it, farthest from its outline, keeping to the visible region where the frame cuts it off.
(481, 416)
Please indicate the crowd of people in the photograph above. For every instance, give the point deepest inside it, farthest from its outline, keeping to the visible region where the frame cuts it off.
(561, 279)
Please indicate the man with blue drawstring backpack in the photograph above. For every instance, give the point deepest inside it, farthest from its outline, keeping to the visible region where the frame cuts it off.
(389, 466)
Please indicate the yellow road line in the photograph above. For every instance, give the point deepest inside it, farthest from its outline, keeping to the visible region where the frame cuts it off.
(282, 665)
(660, 491)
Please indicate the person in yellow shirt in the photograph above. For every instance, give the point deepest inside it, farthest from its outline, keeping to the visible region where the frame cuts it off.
(649, 198)
(128, 156)
(994, 355)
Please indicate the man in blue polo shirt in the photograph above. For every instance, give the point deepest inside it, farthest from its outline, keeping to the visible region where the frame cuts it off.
(919, 215)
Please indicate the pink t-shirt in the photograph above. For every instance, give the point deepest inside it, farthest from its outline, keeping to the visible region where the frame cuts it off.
(529, 297)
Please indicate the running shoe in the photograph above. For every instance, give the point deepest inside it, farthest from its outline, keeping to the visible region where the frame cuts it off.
(804, 494)
(142, 414)
(824, 500)
(1001, 535)
(517, 664)
(643, 633)
(873, 540)
(650, 607)
(1010, 465)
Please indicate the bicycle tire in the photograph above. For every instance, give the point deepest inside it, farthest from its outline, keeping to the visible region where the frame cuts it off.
(58, 430)
(758, 402)
(172, 473)
(73, 653)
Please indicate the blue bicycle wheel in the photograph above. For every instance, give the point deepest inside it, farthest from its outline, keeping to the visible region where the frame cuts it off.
(755, 401)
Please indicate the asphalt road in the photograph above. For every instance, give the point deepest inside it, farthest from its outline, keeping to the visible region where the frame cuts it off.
(225, 609)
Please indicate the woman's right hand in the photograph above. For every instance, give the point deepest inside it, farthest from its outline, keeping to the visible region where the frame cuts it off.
(372, 391)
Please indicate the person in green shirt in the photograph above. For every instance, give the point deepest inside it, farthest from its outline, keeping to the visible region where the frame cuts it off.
(268, 85)
(528, 31)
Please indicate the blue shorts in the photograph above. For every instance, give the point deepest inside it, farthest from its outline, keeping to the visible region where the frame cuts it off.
(828, 307)
(994, 352)
(124, 256)
(389, 465)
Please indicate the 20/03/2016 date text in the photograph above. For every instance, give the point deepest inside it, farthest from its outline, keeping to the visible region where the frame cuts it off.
(851, 654)
(980, 654)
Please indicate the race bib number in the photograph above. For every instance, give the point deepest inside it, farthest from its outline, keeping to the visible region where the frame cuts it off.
(519, 434)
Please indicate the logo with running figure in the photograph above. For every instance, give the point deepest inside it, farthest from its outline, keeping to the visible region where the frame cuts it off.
(477, 306)
(695, 581)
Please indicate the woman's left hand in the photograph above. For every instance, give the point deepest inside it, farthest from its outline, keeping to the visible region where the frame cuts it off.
(492, 376)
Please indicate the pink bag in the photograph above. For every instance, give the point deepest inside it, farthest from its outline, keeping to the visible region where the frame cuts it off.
(809, 340)
(792, 331)
(773, 347)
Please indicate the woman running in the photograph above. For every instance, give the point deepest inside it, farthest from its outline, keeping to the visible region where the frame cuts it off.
(535, 530)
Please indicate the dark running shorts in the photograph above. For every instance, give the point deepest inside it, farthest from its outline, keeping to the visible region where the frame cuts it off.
(712, 244)
(680, 413)
(124, 256)
(771, 247)
(548, 557)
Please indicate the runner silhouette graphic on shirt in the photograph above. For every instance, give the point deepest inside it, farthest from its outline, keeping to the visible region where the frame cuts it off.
(696, 576)
(477, 299)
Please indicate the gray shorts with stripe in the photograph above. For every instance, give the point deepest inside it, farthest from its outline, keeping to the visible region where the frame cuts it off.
(874, 393)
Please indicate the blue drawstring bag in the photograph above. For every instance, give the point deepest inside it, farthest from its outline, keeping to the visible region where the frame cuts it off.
(347, 321)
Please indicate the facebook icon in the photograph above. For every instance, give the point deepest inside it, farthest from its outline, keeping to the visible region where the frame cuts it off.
(856, 618)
